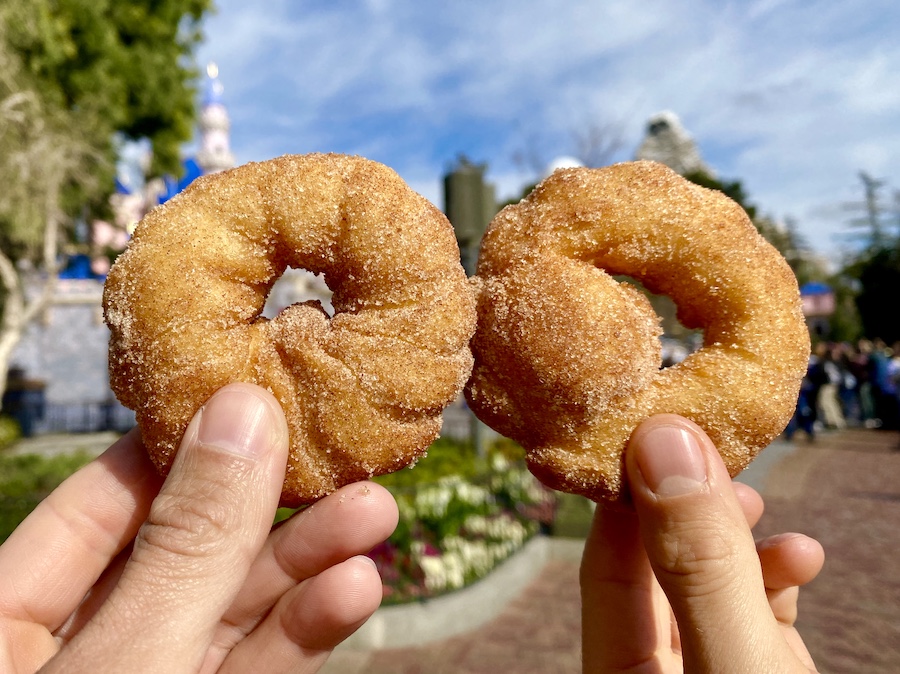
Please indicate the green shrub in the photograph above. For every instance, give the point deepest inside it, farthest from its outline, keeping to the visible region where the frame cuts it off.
(9, 431)
(573, 516)
(27, 479)
(446, 456)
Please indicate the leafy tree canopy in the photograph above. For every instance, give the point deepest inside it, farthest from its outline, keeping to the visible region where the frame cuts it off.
(733, 189)
(77, 77)
(784, 237)
(115, 66)
(42, 152)
(878, 274)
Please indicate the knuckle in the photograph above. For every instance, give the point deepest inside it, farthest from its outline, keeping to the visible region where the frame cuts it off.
(699, 559)
(192, 524)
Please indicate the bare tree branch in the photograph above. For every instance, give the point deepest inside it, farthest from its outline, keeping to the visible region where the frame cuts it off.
(597, 143)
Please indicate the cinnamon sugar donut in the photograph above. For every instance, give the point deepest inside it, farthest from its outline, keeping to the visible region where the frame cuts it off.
(363, 391)
(567, 359)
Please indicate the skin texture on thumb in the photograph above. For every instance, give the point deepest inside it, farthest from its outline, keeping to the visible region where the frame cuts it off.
(203, 532)
(702, 552)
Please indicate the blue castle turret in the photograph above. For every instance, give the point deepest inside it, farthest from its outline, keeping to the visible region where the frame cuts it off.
(214, 154)
(215, 151)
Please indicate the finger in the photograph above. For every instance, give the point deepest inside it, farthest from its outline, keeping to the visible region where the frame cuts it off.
(56, 555)
(699, 545)
(789, 560)
(349, 522)
(795, 642)
(750, 501)
(308, 622)
(784, 604)
(625, 618)
(784, 607)
(94, 599)
(201, 536)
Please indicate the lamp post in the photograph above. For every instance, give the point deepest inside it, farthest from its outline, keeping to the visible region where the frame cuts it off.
(470, 204)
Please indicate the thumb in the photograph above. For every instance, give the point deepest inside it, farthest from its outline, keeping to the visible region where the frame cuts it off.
(204, 530)
(701, 550)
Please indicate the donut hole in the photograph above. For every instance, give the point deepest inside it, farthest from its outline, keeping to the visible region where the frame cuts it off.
(298, 285)
(677, 340)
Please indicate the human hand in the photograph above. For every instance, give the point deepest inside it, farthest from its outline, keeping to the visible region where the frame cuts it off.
(678, 585)
(118, 571)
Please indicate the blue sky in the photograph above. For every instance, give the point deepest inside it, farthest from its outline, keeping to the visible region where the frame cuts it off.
(792, 97)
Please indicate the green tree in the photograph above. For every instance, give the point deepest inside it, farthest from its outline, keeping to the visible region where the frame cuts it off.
(783, 236)
(117, 67)
(77, 76)
(733, 189)
(872, 223)
(877, 271)
(871, 275)
(846, 323)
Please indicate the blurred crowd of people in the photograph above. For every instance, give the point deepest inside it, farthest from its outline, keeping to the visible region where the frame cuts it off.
(849, 385)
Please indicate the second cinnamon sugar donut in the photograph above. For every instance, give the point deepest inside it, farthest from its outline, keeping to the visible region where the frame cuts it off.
(567, 359)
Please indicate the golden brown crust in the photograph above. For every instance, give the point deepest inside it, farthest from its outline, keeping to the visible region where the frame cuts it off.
(363, 391)
(567, 360)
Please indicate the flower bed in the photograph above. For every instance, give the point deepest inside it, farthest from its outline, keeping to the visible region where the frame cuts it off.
(460, 515)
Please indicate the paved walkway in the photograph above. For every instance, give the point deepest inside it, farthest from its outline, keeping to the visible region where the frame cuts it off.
(51, 444)
(844, 490)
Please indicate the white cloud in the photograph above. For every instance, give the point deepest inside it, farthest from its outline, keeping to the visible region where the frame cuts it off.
(791, 97)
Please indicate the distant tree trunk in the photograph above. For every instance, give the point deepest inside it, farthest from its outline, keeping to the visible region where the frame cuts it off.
(18, 310)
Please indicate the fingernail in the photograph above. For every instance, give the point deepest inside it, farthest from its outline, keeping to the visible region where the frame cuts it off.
(671, 461)
(778, 539)
(239, 421)
(369, 560)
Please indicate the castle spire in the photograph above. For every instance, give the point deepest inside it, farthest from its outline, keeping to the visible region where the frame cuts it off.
(669, 143)
(215, 152)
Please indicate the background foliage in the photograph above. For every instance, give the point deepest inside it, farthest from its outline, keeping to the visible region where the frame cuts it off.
(461, 514)
(26, 480)
(114, 66)
(77, 77)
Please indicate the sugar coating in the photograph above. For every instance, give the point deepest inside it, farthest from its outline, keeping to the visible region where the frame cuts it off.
(567, 360)
(363, 391)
